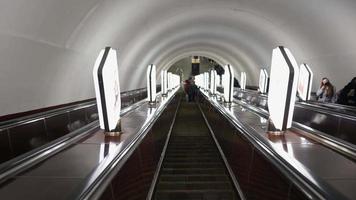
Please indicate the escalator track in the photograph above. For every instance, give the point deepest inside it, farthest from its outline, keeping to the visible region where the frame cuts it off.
(193, 167)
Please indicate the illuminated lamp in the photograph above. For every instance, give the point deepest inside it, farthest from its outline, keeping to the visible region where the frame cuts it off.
(282, 90)
(164, 82)
(151, 84)
(169, 81)
(107, 91)
(228, 83)
(305, 82)
(263, 82)
(243, 80)
(213, 76)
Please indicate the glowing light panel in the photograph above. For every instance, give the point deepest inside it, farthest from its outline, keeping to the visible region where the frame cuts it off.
(228, 83)
(243, 80)
(151, 83)
(164, 82)
(107, 89)
(305, 82)
(283, 86)
(213, 77)
(263, 83)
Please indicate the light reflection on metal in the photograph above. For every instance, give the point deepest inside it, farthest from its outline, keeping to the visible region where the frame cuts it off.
(109, 148)
(267, 146)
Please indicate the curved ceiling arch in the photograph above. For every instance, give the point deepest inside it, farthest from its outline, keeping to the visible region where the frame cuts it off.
(60, 40)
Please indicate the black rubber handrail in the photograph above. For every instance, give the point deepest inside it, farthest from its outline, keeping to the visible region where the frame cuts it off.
(29, 159)
(328, 140)
(46, 114)
(313, 186)
(323, 108)
(96, 183)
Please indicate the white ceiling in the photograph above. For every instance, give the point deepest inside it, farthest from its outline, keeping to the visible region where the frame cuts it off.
(54, 43)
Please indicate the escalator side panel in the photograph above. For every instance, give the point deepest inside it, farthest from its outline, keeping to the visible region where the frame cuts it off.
(257, 177)
(5, 148)
(134, 179)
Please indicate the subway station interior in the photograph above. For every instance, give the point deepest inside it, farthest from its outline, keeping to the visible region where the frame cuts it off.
(177, 99)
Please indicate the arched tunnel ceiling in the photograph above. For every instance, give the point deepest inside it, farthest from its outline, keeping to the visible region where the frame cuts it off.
(70, 33)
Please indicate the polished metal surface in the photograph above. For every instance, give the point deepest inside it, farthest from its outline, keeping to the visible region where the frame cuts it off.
(97, 181)
(160, 162)
(50, 119)
(339, 142)
(233, 178)
(298, 157)
(88, 161)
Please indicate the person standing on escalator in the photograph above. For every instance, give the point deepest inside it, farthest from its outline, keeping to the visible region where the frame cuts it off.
(326, 92)
(192, 91)
(186, 86)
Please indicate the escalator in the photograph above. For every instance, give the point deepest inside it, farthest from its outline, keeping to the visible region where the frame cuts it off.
(193, 167)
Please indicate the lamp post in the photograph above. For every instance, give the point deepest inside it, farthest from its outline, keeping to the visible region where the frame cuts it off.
(282, 90)
(107, 91)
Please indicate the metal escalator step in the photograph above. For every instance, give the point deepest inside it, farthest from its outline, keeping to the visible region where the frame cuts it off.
(193, 171)
(192, 168)
(195, 195)
(191, 159)
(193, 164)
(193, 154)
(193, 185)
(193, 177)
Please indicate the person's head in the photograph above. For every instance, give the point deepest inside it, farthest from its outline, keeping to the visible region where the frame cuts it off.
(329, 88)
(325, 81)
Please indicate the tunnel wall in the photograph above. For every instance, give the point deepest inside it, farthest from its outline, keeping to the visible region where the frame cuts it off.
(48, 47)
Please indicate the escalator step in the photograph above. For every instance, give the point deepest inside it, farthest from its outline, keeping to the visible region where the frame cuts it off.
(193, 171)
(191, 185)
(196, 195)
(192, 168)
(193, 165)
(193, 177)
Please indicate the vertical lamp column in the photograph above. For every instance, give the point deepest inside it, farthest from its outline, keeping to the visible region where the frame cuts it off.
(282, 91)
(228, 83)
(263, 83)
(151, 84)
(164, 82)
(107, 91)
(305, 82)
(169, 81)
(243, 80)
(213, 76)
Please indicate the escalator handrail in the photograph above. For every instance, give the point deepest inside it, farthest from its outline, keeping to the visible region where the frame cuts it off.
(96, 183)
(335, 105)
(312, 105)
(25, 161)
(310, 185)
(337, 144)
(326, 110)
(50, 113)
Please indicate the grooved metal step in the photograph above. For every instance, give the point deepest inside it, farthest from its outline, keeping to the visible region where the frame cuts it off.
(192, 167)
